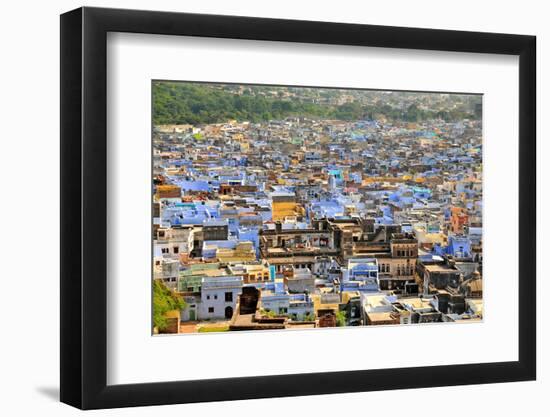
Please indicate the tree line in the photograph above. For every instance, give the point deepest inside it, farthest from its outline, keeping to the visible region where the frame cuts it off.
(186, 103)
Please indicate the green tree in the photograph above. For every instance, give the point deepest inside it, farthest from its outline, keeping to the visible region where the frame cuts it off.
(268, 313)
(340, 318)
(309, 317)
(164, 300)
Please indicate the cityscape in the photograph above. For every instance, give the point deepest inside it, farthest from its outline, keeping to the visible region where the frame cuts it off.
(290, 208)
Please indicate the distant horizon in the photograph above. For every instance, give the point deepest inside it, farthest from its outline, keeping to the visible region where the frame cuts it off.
(311, 87)
(183, 102)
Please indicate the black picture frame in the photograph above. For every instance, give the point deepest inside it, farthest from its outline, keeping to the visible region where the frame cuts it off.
(84, 207)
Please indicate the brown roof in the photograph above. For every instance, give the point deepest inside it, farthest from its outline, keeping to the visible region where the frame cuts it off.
(474, 284)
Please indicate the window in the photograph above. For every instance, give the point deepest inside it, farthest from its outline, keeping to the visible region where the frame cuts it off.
(208, 297)
(210, 309)
(228, 297)
(164, 250)
(176, 249)
(215, 296)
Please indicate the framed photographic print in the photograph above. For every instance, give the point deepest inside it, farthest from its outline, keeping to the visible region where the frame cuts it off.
(256, 208)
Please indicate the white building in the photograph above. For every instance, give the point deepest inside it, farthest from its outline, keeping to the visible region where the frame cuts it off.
(219, 296)
(322, 265)
(167, 270)
(301, 281)
(278, 303)
(171, 242)
(300, 306)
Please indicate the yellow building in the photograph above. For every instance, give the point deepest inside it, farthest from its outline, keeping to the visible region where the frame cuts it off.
(243, 252)
(168, 191)
(251, 273)
(330, 303)
(284, 205)
(348, 295)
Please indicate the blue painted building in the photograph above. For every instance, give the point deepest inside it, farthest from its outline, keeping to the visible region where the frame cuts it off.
(361, 275)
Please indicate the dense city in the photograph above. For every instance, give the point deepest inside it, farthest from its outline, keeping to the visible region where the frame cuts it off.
(297, 208)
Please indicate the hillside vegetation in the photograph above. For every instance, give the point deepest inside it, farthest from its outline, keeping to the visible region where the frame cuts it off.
(193, 103)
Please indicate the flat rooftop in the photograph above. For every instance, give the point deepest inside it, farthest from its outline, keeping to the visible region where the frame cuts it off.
(439, 268)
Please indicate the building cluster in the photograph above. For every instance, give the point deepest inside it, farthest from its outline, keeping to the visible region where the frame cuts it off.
(319, 223)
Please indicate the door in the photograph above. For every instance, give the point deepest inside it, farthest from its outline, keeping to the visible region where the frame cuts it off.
(228, 312)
